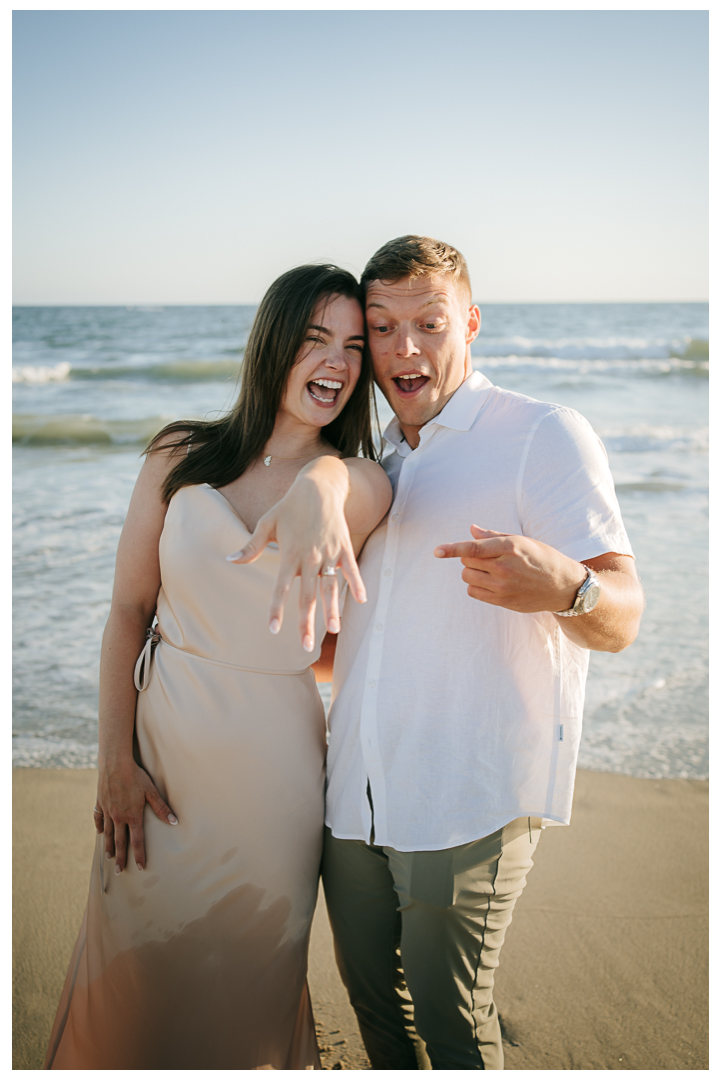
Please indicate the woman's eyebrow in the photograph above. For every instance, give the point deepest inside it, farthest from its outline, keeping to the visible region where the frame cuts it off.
(324, 330)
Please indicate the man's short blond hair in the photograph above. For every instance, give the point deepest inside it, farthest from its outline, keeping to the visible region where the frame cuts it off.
(414, 257)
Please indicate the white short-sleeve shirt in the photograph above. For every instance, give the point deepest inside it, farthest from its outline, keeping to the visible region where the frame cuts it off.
(460, 715)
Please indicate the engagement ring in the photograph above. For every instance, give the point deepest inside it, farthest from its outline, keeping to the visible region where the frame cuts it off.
(329, 571)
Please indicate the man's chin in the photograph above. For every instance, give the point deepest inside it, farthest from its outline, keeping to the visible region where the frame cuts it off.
(413, 413)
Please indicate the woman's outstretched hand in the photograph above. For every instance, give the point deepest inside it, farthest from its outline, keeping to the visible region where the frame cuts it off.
(311, 530)
(122, 794)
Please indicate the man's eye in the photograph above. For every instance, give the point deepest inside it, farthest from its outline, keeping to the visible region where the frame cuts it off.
(433, 325)
(381, 329)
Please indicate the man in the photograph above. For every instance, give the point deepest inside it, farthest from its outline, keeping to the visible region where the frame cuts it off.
(456, 713)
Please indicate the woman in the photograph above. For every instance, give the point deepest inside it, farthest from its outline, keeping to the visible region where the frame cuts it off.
(199, 960)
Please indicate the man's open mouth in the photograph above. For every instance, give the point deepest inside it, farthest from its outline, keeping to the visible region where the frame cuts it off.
(410, 384)
(324, 390)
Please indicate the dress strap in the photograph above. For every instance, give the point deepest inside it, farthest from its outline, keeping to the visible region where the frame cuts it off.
(144, 660)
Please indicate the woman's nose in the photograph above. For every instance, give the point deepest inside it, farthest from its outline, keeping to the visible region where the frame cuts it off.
(336, 358)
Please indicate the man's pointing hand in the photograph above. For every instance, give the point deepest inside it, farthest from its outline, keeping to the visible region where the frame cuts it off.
(515, 572)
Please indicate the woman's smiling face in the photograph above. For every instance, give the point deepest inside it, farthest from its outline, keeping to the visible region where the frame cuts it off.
(328, 366)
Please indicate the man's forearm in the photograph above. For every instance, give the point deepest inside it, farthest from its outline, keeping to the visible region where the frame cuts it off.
(525, 575)
(613, 623)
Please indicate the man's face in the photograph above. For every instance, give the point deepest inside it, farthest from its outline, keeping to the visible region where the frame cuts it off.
(420, 332)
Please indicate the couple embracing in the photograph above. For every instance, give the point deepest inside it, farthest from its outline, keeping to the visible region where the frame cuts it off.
(493, 558)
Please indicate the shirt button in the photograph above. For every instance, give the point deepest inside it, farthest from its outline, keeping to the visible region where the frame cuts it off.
(388, 571)
(395, 517)
(378, 626)
(371, 682)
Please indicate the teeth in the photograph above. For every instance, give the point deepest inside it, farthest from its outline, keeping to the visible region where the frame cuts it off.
(331, 385)
(411, 376)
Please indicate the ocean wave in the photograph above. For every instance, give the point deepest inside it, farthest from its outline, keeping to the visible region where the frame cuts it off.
(647, 437)
(84, 430)
(174, 371)
(30, 374)
(45, 752)
(641, 366)
(694, 350)
(582, 356)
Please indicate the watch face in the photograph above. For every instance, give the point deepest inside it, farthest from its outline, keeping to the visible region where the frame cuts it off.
(591, 597)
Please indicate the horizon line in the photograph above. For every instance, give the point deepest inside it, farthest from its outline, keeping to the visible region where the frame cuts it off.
(149, 304)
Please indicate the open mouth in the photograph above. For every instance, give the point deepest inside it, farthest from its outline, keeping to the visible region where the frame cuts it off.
(410, 384)
(325, 391)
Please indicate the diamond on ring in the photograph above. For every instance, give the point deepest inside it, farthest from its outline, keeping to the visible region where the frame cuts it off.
(329, 571)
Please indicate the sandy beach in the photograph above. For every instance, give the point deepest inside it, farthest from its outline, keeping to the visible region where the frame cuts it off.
(604, 967)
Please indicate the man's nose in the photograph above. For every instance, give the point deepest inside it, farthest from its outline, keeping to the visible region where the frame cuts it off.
(406, 347)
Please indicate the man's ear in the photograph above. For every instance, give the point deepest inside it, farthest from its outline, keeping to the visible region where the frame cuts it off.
(473, 323)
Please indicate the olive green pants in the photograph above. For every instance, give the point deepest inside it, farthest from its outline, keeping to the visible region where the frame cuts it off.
(417, 941)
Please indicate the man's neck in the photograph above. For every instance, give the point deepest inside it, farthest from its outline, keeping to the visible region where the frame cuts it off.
(411, 432)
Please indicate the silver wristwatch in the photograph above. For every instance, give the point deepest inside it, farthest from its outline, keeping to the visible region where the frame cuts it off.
(587, 596)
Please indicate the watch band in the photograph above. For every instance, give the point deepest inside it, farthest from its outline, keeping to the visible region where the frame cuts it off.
(578, 607)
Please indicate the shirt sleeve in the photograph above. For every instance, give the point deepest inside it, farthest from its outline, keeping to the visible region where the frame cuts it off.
(566, 494)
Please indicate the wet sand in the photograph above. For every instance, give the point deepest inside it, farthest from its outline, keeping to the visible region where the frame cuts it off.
(604, 967)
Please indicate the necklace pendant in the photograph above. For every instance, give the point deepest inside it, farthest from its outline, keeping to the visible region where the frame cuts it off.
(267, 460)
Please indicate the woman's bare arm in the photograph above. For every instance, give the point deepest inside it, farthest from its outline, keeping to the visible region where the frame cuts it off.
(123, 786)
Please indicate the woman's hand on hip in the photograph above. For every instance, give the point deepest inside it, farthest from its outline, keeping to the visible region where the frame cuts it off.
(122, 794)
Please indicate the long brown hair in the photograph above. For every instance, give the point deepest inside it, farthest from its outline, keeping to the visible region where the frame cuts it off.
(223, 449)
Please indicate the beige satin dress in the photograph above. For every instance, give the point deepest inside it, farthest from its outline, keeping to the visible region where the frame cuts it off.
(199, 961)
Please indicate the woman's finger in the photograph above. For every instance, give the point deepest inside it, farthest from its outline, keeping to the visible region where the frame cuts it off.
(283, 585)
(257, 543)
(137, 842)
(160, 807)
(348, 565)
(308, 604)
(329, 593)
(109, 831)
(120, 848)
(98, 820)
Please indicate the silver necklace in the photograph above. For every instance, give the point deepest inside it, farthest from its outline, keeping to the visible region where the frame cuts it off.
(276, 457)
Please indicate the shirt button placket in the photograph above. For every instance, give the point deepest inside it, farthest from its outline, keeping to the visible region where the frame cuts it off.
(369, 717)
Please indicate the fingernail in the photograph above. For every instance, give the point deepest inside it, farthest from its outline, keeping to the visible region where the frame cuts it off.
(439, 553)
(117, 869)
(274, 626)
(140, 868)
(172, 819)
(308, 643)
(334, 626)
(108, 856)
(363, 598)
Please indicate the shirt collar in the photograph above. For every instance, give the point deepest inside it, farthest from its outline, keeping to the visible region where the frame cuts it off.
(459, 413)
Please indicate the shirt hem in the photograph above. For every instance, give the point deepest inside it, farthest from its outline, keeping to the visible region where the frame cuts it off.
(546, 819)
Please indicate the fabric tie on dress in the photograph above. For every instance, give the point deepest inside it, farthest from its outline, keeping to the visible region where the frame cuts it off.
(144, 661)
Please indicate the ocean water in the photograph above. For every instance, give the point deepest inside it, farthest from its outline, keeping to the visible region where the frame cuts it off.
(91, 385)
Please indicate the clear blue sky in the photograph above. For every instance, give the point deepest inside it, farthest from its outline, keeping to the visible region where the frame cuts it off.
(191, 157)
